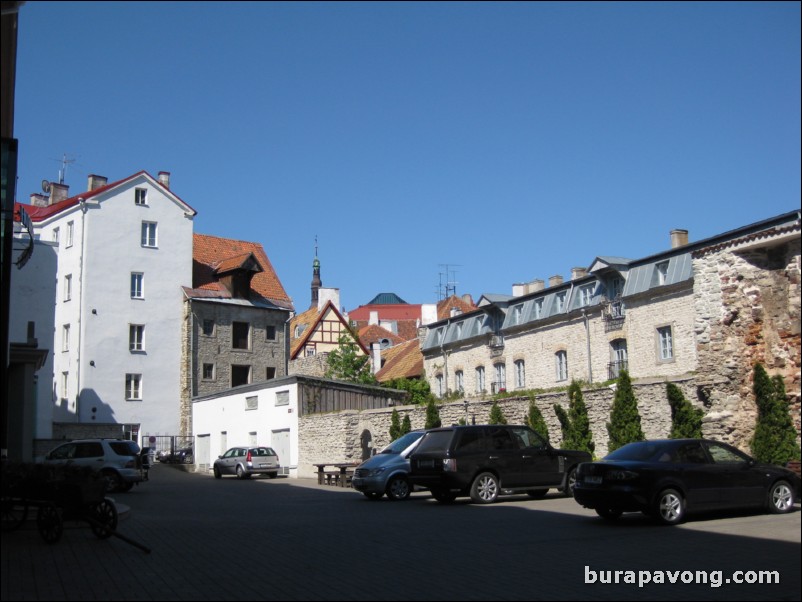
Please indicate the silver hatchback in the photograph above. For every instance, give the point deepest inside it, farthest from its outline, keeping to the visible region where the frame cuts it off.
(246, 461)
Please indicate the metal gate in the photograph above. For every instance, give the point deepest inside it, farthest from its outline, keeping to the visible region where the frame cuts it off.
(171, 449)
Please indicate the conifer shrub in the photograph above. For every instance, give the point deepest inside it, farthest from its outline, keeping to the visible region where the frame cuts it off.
(686, 420)
(774, 441)
(624, 426)
(496, 415)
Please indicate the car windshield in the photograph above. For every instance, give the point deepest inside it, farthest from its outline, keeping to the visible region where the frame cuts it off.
(262, 451)
(400, 444)
(641, 451)
(435, 441)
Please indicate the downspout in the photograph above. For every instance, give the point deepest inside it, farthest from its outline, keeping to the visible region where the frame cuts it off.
(587, 338)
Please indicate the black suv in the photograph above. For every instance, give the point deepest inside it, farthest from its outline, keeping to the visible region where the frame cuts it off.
(484, 461)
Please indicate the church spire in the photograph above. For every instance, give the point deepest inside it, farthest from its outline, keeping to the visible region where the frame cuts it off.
(316, 283)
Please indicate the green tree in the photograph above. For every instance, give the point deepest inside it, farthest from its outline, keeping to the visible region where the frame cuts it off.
(686, 420)
(395, 425)
(774, 441)
(406, 425)
(536, 421)
(565, 422)
(624, 426)
(348, 363)
(432, 415)
(575, 423)
(419, 391)
(496, 415)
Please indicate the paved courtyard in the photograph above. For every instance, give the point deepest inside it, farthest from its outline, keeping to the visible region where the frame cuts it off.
(289, 539)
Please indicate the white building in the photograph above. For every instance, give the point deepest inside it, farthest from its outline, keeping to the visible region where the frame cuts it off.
(124, 252)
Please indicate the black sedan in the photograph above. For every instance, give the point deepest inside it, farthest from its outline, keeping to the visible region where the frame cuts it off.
(668, 478)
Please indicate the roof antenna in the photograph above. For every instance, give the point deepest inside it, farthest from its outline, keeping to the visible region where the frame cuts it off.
(62, 173)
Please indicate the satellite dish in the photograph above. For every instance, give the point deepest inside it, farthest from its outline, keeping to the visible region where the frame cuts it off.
(45, 186)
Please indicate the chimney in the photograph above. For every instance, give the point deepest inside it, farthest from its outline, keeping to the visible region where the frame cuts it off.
(679, 238)
(577, 273)
(164, 179)
(428, 313)
(556, 280)
(374, 318)
(58, 192)
(40, 200)
(376, 350)
(455, 311)
(326, 295)
(96, 182)
(467, 298)
(535, 286)
(519, 289)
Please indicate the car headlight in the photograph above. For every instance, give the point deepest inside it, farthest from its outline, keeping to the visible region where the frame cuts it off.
(375, 472)
(620, 475)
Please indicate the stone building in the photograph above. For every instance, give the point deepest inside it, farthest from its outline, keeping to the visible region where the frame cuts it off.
(236, 320)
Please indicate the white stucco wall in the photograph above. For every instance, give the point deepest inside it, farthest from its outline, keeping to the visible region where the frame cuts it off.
(225, 419)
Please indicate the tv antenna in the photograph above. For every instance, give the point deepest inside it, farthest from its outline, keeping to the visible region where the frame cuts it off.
(62, 173)
(447, 285)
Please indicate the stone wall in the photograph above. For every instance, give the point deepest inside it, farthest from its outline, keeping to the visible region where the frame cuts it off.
(747, 301)
(338, 436)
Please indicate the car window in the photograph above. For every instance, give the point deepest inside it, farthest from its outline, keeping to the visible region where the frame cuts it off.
(63, 452)
(124, 448)
(435, 441)
(724, 455)
(88, 449)
(262, 451)
(528, 438)
(641, 451)
(230, 453)
(400, 444)
(502, 439)
(470, 441)
(691, 453)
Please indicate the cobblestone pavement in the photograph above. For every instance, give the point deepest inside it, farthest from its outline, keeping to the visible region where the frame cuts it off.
(291, 539)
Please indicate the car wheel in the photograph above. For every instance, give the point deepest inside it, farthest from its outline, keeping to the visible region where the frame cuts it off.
(570, 481)
(372, 495)
(609, 513)
(216, 471)
(781, 498)
(669, 507)
(112, 480)
(537, 494)
(241, 474)
(484, 489)
(398, 488)
(443, 495)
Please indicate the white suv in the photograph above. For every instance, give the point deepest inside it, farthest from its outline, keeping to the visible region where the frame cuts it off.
(117, 460)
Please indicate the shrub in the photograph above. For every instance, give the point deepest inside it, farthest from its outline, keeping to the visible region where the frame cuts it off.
(406, 425)
(686, 420)
(432, 415)
(774, 441)
(395, 425)
(624, 426)
(496, 415)
(575, 424)
(536, 421)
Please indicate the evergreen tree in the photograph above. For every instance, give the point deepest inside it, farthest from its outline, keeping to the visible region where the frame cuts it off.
(432, 415)
(406, 425)
(346, 363)
(774, 441)
(395, 425)
(419, 391)
(536, 421)
(565, 423)
(686, 420)
(496, 415)
(581, 437)
(624, 426)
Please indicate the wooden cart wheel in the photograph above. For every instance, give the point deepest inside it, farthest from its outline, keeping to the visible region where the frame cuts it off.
(103, 518)
(49, 522)
(14, 513)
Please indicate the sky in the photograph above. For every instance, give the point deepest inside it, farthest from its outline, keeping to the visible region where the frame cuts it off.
(429, 145)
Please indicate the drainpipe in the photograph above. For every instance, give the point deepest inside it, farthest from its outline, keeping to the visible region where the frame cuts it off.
(587, 338)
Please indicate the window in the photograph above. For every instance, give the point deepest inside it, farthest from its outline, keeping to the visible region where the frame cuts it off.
(459, 385)
(133, 387)
(480, 379)
(458, 333)
(240, 375)
(538, 307)
(559, 301)
(141, 196)
(65, 377)
(208, 327)
(270, 332)
(520, 374)
(661, 269)
(55, 235)
(70, 234)
(208, 372)
(618, 358)
(270, 372)
(137, 288)
(501, 377)
(240, 335)
(561, 358)
(439, 381)
(517, 314)
(136, 337)
(65, 337)
(282, 398)
(252, 402)
(586, 295)
(149, 234)
(665, 342)
(68, 287)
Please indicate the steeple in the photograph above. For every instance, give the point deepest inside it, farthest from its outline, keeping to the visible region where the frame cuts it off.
(316, 283)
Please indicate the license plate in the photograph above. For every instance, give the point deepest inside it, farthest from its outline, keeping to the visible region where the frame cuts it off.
(264, 465)
(593, 480)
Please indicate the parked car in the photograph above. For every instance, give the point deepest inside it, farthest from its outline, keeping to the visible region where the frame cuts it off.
(388, 471)
(668, 478)
(117, 460)
(247, 461)
(485, 461)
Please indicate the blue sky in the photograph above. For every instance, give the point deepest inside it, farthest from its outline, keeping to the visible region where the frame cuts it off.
(510, 141)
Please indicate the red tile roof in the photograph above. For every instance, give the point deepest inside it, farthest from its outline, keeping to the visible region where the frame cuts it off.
(402, 361)
(375, 333)
(444, 306)
(406, 311)
(210, 253)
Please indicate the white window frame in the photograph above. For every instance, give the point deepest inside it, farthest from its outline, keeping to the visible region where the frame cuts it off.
(133, 387)
(538, 308)
(561, 361)
(136, 337)
(586, 295)
(150, 231)
(438, 379)
(517, 314)
(55, 238)
(480, 379)
(65, 337)
(665, 343)
(65, 379)
(70, 234)
(68, 287)
(662, 272)
(137, 285)
(501, 375)
(520, 374)
(559, 300)
(459, 381)
(141, 197)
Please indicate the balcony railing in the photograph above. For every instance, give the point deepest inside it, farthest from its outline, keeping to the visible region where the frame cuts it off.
(614, 368)
(499, 386)
(614, 315)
